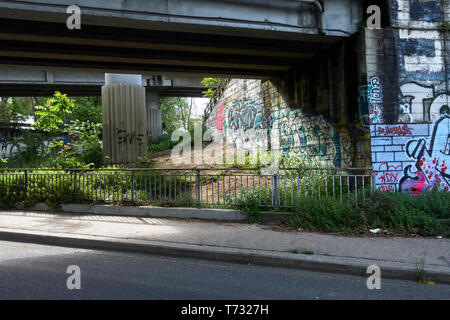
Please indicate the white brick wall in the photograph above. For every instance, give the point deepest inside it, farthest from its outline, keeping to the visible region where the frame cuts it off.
(389, 155)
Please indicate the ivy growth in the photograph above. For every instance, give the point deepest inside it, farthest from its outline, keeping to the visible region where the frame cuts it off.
(444, 27)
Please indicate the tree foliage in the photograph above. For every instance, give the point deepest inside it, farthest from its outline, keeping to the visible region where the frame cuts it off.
(15, 109)
(175, 113)
(53, 114)
(211, 83)
(88, 109)
(214, 85)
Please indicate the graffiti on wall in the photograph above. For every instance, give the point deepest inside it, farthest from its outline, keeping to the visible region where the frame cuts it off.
(387, 175)
(9, 141)
(217, 117)
(421, 103)
(253, 116)
(400, 130)
(412, 160)
(412, 155)
(375, 100)
(306, 136)
(244, 114)
(6, 148)
(361, 133)
(431, 169)
(244, 124)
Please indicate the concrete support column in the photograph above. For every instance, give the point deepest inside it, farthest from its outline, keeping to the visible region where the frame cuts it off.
(124, 119)
(154, 122)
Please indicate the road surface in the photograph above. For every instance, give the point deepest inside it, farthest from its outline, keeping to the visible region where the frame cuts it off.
(31, 271)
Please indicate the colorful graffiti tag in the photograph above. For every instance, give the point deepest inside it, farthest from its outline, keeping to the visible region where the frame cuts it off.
(400, 130)
(307, 136)
(387, 175)
(412, 160)
(252, 115)
(432, 161)
(244, 124)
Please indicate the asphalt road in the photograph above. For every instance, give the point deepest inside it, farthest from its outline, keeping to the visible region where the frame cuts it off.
(30, 271)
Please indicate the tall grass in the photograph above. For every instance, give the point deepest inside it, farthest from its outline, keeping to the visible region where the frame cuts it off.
(399, 213)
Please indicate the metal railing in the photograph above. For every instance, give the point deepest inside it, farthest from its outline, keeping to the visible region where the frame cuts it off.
(286, 188)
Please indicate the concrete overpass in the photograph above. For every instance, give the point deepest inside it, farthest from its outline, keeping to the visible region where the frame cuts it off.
(17, 81)
(229, 38)
(239, 38)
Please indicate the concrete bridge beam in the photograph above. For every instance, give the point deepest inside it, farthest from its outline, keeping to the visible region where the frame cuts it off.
(17, 81)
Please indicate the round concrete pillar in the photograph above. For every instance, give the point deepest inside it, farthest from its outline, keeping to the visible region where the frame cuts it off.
(154, 121)
(124, 119)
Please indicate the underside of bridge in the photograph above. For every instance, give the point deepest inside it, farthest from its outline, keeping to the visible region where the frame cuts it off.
(33, 90)
(302, 47)
(118, 49)
(43, 90)
(46, 90)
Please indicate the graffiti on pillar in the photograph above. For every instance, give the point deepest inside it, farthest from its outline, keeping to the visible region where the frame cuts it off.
(431, 169)
(124, 137)
(364, 107)
(375, 98)
(140, 139)
(346, 148)
(361, 132)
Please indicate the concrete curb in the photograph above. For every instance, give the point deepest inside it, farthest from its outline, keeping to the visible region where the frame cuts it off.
(331, 264)
(149, 211)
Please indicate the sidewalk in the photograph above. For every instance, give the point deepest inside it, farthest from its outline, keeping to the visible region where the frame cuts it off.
(237, 242)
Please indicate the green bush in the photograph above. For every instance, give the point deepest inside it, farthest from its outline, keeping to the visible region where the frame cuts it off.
(397, 212)
(87, 149)
(327, 215)
(247, 201)
(161, 143)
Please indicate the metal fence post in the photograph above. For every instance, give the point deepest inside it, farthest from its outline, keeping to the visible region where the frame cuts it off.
(373, 184)
(132, 186)
(275, 190)
(197, 188)
(75, 183)
(26, 182)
